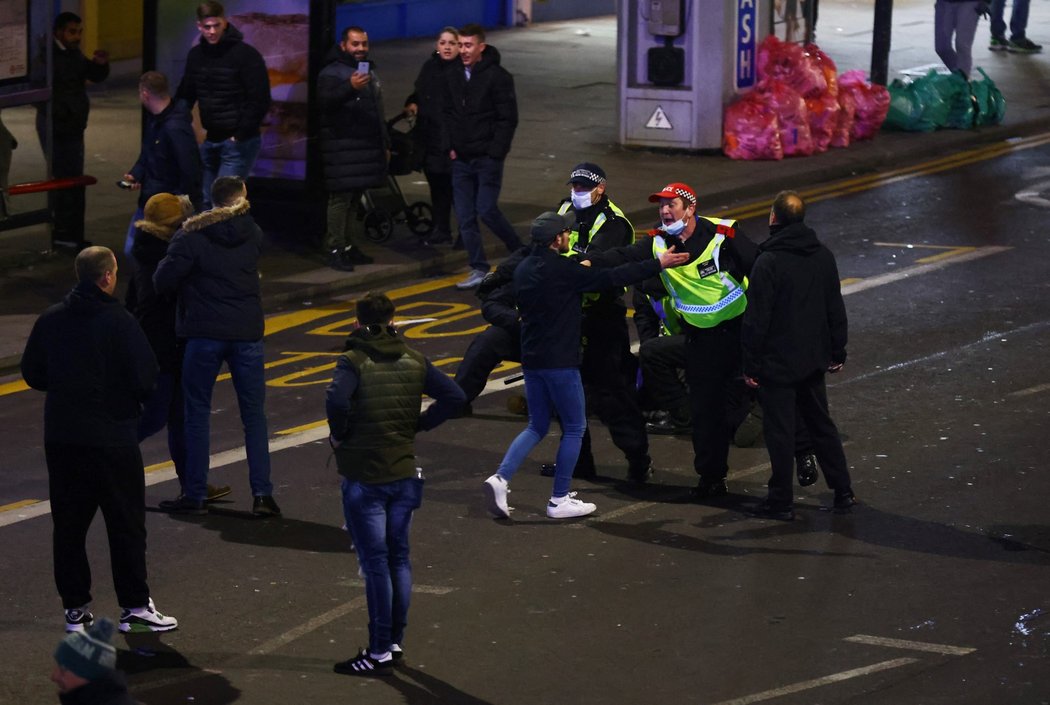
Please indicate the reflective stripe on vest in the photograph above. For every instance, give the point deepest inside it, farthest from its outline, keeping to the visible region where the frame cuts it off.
(574, 235)
(704, 302)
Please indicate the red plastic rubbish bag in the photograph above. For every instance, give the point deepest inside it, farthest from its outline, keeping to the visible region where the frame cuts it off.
(827, 67)
(872, 102)
(790, 63)
(750, 130)
(792, 115)
(844, 124)
(823, 119)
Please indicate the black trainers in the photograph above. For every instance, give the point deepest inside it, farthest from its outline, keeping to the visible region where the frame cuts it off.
(641, 472)
(397, 653)
(844, 501)
(765, 510)
(1024, 45)
(806, 466)
(264, 506)
(183, 505)
(365, 665)
(669, 426)
(354, 255)
(78, 619)
(338, 262)
(709, 489)
(217, 492)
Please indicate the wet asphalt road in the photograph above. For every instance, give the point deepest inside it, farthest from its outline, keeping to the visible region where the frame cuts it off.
(934, 591)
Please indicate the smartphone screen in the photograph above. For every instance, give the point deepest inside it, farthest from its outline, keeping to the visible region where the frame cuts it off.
(362, 67)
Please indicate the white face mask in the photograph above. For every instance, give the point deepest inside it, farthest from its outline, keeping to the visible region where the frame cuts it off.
(581, 200)
(674, 228)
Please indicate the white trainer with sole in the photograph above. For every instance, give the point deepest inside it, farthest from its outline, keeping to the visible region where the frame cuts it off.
(568, 507)
(496, 493)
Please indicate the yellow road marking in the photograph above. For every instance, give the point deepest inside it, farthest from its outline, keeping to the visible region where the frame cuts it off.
(157, 467)
(19, 504)
(300, 429)
(18, 385)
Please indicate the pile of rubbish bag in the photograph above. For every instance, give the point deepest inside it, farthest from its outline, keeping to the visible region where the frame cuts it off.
(937, 100)
(801, 106)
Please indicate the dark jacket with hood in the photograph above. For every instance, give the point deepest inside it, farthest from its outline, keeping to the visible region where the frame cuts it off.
(229, 82)
(429, 97)
(111, 689)
(480, 114)
(169, 161)
(353, 133)
(213, 263)
(97, 368)
(69, 99)
(373, 405)
(795, 322)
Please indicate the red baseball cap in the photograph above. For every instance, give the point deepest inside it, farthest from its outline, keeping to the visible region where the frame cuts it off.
(672, 190)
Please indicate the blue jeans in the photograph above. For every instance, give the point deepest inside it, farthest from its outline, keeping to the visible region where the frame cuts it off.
(204, 358)
(558, 389)
(1018, 19)
(379, 517)
(476, 185)
(226, 158)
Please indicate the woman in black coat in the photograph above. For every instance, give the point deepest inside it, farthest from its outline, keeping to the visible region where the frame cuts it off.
(425, 104)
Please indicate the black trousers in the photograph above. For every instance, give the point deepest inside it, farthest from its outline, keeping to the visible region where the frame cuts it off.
(83, 480)
(784, 409)
(440, 183)
(713, 374)
(486, 351)
(67, 205)
(608, 372)
(662, 388)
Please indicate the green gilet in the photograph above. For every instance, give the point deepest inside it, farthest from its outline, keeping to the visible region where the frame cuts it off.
(384, 417)
(704, 300)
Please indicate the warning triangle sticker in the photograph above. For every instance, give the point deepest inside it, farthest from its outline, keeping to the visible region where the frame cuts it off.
(658, 120)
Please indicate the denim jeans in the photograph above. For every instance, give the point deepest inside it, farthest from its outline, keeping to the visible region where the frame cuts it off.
(476, 185)
(1018, 19)
(558, 389)
(226, 158)
(204, 358)
(379, 517)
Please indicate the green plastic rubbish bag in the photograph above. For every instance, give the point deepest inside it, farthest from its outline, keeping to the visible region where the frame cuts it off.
(955, 92)
(991, 106)
(906, 108)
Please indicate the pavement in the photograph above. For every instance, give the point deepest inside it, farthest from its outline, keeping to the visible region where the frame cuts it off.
(565, 77)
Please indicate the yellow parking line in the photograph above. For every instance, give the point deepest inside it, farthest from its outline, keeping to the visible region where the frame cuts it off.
(18, 505)
(300, 429)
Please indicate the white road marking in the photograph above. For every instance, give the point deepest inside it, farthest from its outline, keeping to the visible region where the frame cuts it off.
(817, 682)
(911, 645)
(309, 626)
(1037, 389)
(918, 269)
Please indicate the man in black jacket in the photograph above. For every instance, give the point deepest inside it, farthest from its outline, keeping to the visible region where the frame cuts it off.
(354, 144)
(794, 330)
(227, 79)
(70, 72)
(96, 366)
(481, 114)
(213, 263)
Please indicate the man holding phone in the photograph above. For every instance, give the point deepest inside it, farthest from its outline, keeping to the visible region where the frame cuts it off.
(354, 143)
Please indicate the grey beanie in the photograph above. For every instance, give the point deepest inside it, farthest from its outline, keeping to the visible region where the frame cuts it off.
(89, 653)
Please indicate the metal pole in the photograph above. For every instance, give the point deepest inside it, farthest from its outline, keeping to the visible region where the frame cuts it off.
(880, 44)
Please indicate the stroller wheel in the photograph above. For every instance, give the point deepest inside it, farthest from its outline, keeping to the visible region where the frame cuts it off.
(378, 225)
(420, 218)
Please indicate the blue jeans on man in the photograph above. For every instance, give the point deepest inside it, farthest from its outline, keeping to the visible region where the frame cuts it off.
(557, 389)
(227, 158)
(476, 185)
(1018, 19)
(200, 367)
(379, 517)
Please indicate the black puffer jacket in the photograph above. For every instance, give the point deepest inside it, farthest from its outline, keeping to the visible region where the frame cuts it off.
(69, 99)
(354, 140)
(95, 364)
(795, 322)
(169, 161)
(213, 263)
(429, 97)
(231, 85)
(154, 312)
(480, 114)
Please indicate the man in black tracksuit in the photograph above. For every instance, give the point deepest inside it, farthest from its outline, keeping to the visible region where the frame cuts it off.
(794, 330)
(226, 77)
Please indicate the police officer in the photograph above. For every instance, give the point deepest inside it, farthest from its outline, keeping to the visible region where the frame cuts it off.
(708, 295)
(608, 368)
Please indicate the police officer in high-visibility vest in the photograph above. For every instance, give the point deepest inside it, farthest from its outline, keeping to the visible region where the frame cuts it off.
(608, 368)
(708, 294)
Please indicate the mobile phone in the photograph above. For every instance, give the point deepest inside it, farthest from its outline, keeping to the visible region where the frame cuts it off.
(362, 67)
(126, 185)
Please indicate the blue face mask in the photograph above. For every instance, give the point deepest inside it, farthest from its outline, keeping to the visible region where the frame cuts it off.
(674, 228)
(580, 200)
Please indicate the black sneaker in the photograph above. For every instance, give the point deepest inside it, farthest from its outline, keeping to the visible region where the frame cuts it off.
(806, 466)
(765, 510)
(183, 505)
(1024, 45)
(844, 501)
(264, 506)
(78, 619)
(354, 255)
(339, 263)
(397, 653)
(365, 665)
(641, 472)
(706, 490)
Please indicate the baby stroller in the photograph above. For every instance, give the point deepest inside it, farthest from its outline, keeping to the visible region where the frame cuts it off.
(385, 205)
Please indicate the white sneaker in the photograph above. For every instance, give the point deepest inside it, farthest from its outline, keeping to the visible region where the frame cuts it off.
(146, 619)
(473, 279)
(496, 493)
(568, 507)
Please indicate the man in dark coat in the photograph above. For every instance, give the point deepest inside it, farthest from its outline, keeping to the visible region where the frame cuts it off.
(481, 114)
(96, 366)
(227, 79)
(354, 144)
(70, 71)
(213, 264)
(794, 331)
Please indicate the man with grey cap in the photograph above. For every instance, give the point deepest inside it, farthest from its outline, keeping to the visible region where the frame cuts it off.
(549, 290)
(607, 368)
(85, 668)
